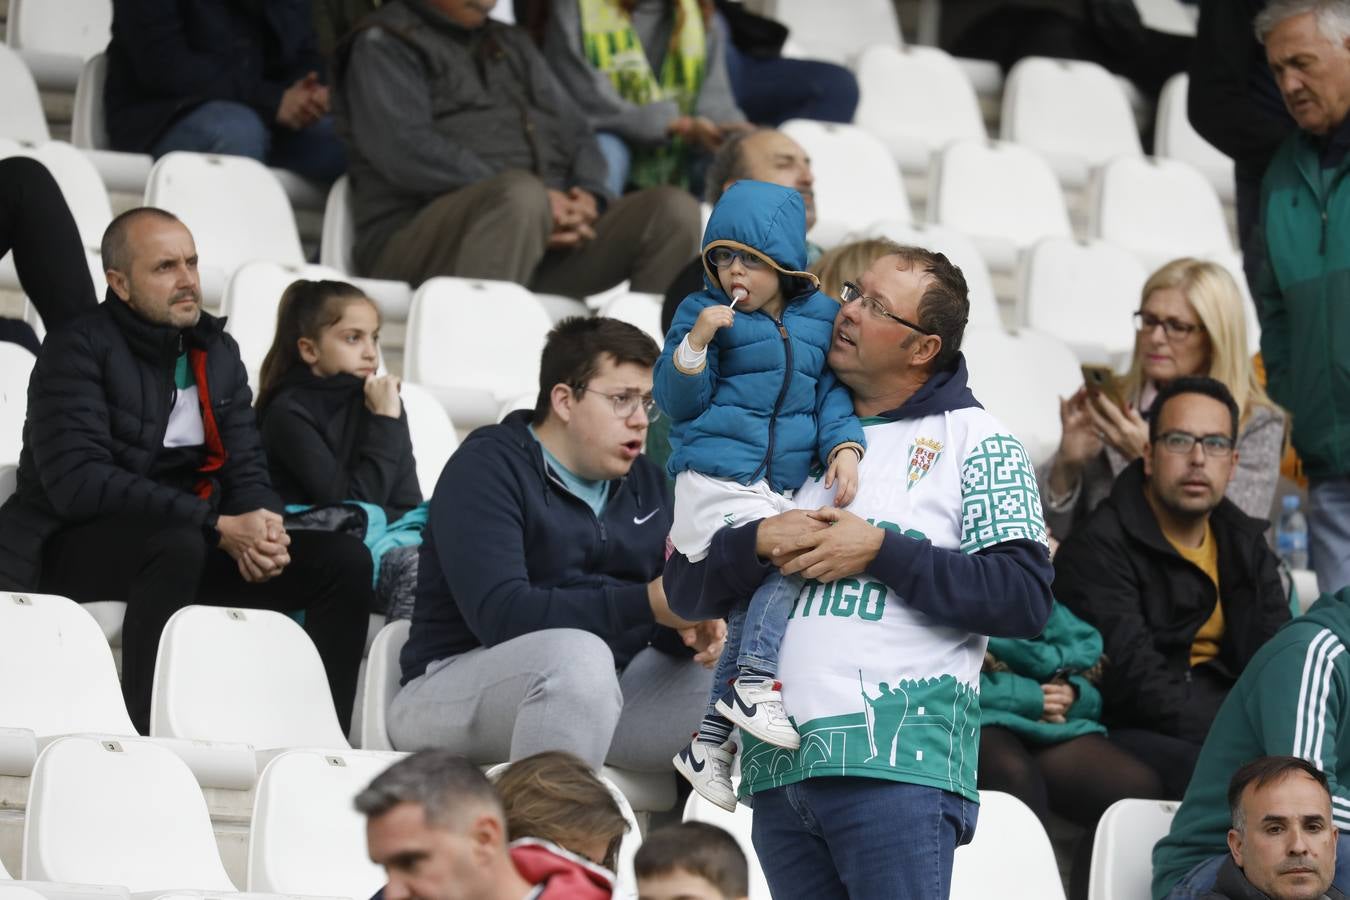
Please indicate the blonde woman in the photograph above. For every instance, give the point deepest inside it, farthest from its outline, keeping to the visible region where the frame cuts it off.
(1191, 322)
(847, 261)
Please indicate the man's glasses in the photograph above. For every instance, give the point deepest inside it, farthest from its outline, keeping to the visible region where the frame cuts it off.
(1175, 329)
(721, 257)
(874, 307)
(627, 403)
(1216, 445)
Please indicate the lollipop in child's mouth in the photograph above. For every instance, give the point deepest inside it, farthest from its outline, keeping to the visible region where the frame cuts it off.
(737, 295)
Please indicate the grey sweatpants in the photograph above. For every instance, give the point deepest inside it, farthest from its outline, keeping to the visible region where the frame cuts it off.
(554, 690)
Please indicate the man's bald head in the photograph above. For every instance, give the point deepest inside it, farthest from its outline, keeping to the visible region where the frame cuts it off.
(116, 245)
(764, 154)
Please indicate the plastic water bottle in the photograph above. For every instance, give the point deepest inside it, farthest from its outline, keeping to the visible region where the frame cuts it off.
(1291, 538)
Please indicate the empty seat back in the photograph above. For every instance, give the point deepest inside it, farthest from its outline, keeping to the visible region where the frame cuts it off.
(1174, 137)
(856, 180)
(339, 230)
(915, 99)
(76, 28)
(432, 434)
(1083, 294)
(21, 115)
(1122, 855)
(305, 836)
(641, 310)
(243, 675)
(383, 674)
(119, 812)
(1159, 209)
(16, 364)
(1009, 839)
(821, 32)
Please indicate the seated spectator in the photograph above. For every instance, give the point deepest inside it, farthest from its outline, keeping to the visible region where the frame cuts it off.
(691, 861)
(847, 261)
(467, 159)
(435, 824)
(1191, 322)
(761, 155)
(1293, 699)
(771, 88)
(1180, 582)
(540, 611)
(555, 797)
(143, 480)
(335, 432)
(1041, 737)
(334, 21)
(36, 224)
(650, 77)
(241, 79)
(1282, 842)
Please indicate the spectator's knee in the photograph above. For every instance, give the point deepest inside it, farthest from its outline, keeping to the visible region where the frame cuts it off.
(236, 130)
(580, 667)
(678, 215)
(525, 195)
(180, 547)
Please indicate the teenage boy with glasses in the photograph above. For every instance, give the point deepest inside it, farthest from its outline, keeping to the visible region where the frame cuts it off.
(540, 621)
(1180, 582)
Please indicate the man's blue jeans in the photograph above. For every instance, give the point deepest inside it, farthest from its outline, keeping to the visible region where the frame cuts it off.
(233, 129)
(860, 839)
(1199, 881)
(1329, 532)
(755, 633)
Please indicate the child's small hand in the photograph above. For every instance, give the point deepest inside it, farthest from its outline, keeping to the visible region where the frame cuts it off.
(382, 395)
(708, 323)
(844, 469)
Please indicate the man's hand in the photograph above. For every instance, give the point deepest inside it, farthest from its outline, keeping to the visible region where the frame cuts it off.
(257, 542)
(303, 103)
(382, 395)
(584, 205)
(776, 534)
(572, 218)
(707, 639)
(1058, 697)
(844, 549)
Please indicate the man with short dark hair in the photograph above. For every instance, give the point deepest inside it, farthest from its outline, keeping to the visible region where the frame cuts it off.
(540, 577)
(1282, 842)
(691, 861)
(436, 825)
(1179, 581)
(142, 477)
(1302, 266)
(943, 544)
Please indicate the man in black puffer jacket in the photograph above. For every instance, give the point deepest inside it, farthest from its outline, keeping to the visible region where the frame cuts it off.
(142, 477)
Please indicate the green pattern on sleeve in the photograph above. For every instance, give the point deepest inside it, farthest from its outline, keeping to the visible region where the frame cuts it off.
(999, 498)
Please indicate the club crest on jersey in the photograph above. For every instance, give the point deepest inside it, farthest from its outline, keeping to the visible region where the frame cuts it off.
(922, 454)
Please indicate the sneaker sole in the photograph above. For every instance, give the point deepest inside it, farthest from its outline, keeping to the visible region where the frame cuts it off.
(778, 739)
(695, 782)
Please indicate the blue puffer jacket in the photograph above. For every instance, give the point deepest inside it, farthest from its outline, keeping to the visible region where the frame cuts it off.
(766, 404)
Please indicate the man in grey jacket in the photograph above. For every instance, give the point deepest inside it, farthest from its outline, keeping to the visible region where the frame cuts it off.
(466, 159)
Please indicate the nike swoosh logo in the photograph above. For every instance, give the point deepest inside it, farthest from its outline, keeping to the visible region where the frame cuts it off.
(696, 765)
(637, 521)
(747, 711)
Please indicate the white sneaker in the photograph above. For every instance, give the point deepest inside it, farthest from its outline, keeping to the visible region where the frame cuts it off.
(758, 709)
(708, 769)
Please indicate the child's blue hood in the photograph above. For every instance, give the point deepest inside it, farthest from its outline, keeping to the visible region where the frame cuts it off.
(768, 219)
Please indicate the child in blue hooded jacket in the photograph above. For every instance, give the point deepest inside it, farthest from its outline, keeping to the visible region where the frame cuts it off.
(753, 404)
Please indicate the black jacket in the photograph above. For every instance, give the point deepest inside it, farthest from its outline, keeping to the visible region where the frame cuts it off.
(167, 57)
(324, 446)
(1232, 884)
(1118, 572)
(98, 407)
(508, 550)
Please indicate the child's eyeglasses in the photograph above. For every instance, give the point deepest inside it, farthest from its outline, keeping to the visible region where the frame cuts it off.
(725, 256)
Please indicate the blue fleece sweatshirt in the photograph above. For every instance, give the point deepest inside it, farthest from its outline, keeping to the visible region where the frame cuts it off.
(1002, 591)
(765, 404)
(509, 550)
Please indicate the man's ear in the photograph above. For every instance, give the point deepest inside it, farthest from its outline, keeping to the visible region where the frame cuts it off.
(1148, 459)
(1235, 845)
(119, 282)
(930, 345)
(308, 352)
(561, 399)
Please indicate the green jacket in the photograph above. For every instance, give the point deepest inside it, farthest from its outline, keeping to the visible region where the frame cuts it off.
(1012, 699)
(1293, 699)
(1303, 293)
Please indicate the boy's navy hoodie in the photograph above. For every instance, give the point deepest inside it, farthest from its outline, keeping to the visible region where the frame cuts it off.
(950, 586)
(508, 551)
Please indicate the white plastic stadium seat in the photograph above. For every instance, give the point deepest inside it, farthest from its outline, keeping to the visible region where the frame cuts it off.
(1159, 209)
(335, 251)
(119, 812)
(475, 345)
(963, 254)
(856, 180)
(737, 824)
(21, 115)
(1122, 855)
(1176, 138)
(382, 682)
(55, 39)
(1009, 839)
(306, 837)
(246, 675)
(1072, 112)
(1083, 294)
(124, 172)
(915, 99)
(9, 481)
(234, 207)
(641, 310)
(432, 433)
(1004, 196)
(820, 32)
(16, 363)
(1017, 377)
